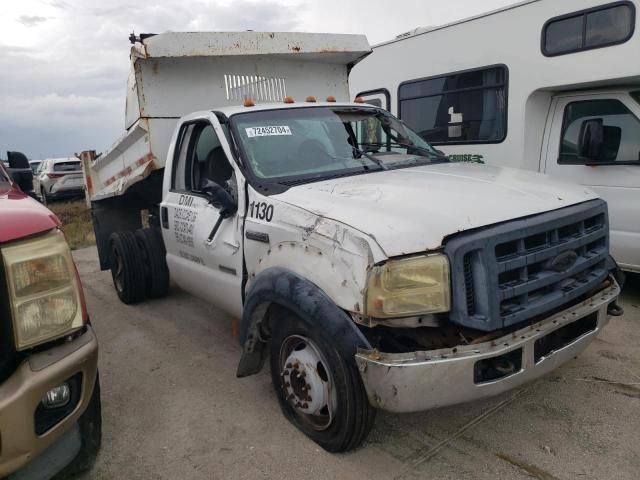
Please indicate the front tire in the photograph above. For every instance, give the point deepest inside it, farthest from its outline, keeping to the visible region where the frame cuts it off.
(319, 390)
(127, 267)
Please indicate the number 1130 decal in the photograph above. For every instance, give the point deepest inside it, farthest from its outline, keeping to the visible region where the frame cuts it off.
(261, 211)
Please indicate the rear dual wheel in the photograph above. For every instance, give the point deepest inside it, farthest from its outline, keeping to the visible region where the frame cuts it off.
(154, 260)
(138, 265)
(127, 267)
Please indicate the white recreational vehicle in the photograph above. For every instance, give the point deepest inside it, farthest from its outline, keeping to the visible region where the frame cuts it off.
(542, 85)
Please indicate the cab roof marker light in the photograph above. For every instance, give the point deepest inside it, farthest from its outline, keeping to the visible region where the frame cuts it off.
(331, 99)
(359, 100)
(311, 99)
(289, 99)
(248, 102)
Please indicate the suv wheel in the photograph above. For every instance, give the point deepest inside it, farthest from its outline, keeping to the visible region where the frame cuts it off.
(319, 390)
(127, 267)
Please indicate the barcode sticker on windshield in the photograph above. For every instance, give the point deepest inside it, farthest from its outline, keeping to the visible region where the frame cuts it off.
(268, 131)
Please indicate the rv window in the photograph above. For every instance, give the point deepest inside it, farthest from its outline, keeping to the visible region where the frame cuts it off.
(593, 28)
(465, 107)
(620, 135)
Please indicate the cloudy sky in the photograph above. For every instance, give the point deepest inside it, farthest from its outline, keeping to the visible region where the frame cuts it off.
(64, 63)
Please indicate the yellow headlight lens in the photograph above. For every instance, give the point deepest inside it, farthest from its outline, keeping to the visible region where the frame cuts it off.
(411, 286)
(43, 290)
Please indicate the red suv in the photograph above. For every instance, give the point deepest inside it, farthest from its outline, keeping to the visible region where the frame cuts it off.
(50, 415)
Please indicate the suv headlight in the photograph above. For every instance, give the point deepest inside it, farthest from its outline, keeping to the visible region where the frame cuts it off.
(410, 286)
(44, 291)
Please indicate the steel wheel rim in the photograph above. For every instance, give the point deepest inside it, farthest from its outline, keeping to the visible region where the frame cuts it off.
(307, 383)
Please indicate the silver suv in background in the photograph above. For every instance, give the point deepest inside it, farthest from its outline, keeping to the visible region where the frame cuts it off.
(59, 178)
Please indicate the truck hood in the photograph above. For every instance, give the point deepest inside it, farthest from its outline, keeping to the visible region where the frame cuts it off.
(21, 215)
(413, 209)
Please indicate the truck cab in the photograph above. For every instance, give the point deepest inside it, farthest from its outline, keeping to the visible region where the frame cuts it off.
(369, 270)
(50, 415)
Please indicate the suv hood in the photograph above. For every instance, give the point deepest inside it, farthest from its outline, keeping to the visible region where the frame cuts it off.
(413, 209)
(21, 215)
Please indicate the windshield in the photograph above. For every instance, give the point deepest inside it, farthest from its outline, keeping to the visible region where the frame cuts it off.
(300, 144)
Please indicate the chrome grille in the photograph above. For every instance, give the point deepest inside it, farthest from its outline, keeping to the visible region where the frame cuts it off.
(512, 272)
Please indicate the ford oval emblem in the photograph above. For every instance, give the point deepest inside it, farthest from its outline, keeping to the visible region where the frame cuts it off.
(564, 261)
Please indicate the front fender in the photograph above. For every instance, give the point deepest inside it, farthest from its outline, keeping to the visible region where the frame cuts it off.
(280, 286)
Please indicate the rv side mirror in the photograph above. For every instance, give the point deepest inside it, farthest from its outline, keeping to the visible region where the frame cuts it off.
(591, 139)
(220, 198)
(20, 171)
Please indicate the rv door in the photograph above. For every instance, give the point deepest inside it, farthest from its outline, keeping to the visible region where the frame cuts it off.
(594, 140)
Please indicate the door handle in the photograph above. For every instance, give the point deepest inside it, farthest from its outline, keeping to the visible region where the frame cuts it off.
(164, 217)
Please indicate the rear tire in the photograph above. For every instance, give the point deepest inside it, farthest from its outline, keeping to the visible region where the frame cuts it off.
(154, 259)
(127, 267)
(346, 418)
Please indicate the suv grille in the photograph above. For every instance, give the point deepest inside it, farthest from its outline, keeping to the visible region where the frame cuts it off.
(515, 271)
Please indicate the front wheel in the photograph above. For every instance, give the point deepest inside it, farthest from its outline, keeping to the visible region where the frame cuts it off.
(319, 390)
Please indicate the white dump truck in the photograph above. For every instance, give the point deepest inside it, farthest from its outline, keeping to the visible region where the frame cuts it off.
(369, 270)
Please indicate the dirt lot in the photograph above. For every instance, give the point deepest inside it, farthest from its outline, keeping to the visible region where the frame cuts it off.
(173, 408)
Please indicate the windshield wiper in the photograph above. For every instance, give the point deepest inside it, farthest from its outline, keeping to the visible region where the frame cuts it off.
(408, 146)
(370, 157)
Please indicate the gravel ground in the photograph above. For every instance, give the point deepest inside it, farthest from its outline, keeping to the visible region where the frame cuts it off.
(173, 408)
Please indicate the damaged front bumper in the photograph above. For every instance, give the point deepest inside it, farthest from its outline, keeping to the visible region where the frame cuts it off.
(416, 381)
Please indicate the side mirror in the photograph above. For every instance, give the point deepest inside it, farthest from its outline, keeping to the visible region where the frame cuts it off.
(591, 139)
(220, 198)
(20, 171)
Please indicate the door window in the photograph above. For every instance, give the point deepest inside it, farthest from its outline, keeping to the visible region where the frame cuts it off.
(458, 108)
(620, 132)
(201, 159)
(179, 178)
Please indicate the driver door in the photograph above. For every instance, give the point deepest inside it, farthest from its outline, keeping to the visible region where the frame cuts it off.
(204, 251)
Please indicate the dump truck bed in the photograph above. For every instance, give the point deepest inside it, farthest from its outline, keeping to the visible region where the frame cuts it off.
(173, 74)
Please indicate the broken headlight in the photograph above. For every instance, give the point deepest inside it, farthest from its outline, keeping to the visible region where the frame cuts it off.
(44, 291)
(410, 286)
